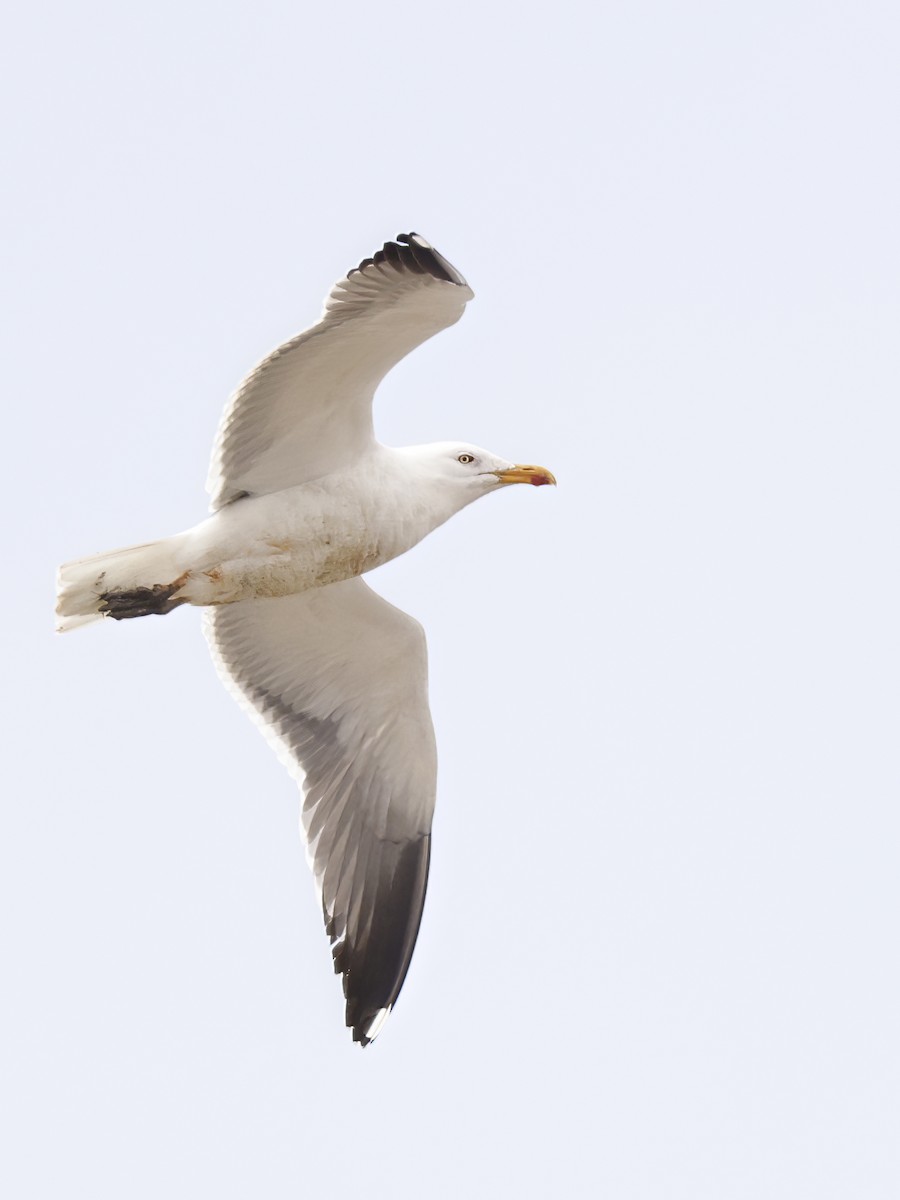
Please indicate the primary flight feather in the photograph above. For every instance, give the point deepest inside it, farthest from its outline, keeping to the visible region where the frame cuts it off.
(305, 500)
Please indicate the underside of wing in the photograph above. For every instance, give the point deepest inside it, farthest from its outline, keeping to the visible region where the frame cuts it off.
(336, 678)
(306, 410)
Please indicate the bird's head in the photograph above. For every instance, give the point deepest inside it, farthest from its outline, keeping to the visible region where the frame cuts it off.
(473, 471)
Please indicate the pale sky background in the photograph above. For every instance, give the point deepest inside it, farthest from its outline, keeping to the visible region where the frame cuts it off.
(659, 953)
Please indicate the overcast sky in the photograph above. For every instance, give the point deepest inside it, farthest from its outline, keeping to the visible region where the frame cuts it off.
(659, 953)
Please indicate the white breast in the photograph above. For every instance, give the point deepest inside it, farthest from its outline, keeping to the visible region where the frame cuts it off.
(303, 537)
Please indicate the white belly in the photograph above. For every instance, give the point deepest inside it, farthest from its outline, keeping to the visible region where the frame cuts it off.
(285, 543)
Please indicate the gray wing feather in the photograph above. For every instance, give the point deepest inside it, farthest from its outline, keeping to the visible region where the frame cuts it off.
(306, 410)
(336, 678)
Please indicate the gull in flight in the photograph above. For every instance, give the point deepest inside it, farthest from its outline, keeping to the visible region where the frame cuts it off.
(305, 500)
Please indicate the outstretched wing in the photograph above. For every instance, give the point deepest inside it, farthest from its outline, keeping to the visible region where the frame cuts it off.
(336, 678)
(306, 410)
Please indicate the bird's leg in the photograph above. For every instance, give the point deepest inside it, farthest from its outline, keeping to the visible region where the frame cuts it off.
(124, 603)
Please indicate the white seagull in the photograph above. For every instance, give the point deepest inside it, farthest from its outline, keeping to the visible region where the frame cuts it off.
(304, 502)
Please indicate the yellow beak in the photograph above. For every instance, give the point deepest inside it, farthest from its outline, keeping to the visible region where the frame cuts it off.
(521, 474)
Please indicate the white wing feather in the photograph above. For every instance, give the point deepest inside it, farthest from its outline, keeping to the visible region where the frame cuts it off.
(336, 678)
(306, 410)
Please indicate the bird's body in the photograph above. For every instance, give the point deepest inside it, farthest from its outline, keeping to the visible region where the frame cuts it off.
(314, 534)
(305, 501)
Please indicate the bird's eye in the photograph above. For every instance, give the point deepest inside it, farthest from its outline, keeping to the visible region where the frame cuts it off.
(466, 458)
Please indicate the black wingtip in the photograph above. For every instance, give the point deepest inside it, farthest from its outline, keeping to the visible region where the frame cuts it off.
(412, 252)
(375, 959)
(429, 259)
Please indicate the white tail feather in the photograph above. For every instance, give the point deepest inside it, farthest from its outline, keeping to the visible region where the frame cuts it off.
(81, 584)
